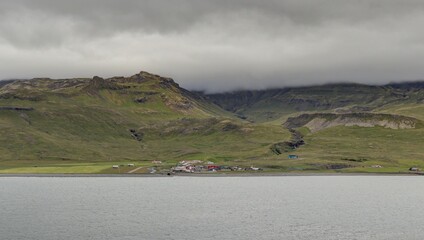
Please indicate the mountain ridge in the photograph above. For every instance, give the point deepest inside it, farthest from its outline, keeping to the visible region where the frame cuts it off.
(284, 101)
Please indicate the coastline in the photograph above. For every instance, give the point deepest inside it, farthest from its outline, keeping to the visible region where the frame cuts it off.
(71, 175)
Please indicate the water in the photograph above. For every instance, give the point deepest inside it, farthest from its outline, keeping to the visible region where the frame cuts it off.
(301, 207)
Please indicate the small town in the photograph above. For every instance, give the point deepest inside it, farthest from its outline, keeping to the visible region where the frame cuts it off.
(192, 166)
(199, 166)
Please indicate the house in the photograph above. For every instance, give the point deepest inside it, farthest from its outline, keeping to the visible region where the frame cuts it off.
(198, 168)
(213, 167)
(131, 164)
(115, 166)
(292, 156)
(415, 169)
(254, 168)
(236, 168)
(190, 162)
(157, 162)
(183, 169)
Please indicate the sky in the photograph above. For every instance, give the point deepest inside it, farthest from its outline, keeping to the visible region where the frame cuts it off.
(215, 45)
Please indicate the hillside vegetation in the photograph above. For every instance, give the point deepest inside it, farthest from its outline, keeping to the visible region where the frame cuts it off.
(318, 121)
(52, 123)
(86, 125)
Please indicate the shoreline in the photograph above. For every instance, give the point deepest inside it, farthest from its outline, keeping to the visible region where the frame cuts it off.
(70, 175)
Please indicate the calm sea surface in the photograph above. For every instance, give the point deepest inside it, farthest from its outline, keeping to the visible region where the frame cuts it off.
(295, 207)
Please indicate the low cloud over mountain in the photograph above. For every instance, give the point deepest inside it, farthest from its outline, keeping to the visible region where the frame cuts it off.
(215, 45)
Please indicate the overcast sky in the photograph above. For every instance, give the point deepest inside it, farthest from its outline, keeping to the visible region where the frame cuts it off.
(216, 45)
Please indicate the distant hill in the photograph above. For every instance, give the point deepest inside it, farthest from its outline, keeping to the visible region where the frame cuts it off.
(268, 105)
(4, 82)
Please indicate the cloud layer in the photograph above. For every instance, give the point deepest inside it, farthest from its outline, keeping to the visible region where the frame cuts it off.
(217, 45)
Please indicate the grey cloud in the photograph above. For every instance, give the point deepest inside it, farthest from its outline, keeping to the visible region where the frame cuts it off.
(101, 18)
(215, 45)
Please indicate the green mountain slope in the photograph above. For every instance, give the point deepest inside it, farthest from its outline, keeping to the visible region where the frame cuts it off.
(87, 125)
(46, 122)
(344, 127)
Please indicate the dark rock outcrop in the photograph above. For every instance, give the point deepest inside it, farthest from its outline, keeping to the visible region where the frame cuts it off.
(140, 100)
(17, 108)
(295, 142)
(136, 135)
(336, 166)
(98, 83)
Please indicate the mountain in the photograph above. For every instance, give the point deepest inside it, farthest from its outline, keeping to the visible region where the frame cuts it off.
(144, 117)
(84, 125)
(272, 104)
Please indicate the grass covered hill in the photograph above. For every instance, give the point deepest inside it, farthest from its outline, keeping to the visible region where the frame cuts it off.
(54, 123)
(345, 127)
(86, 125)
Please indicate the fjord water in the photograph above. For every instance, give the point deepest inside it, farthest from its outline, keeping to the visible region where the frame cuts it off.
(294, 207)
